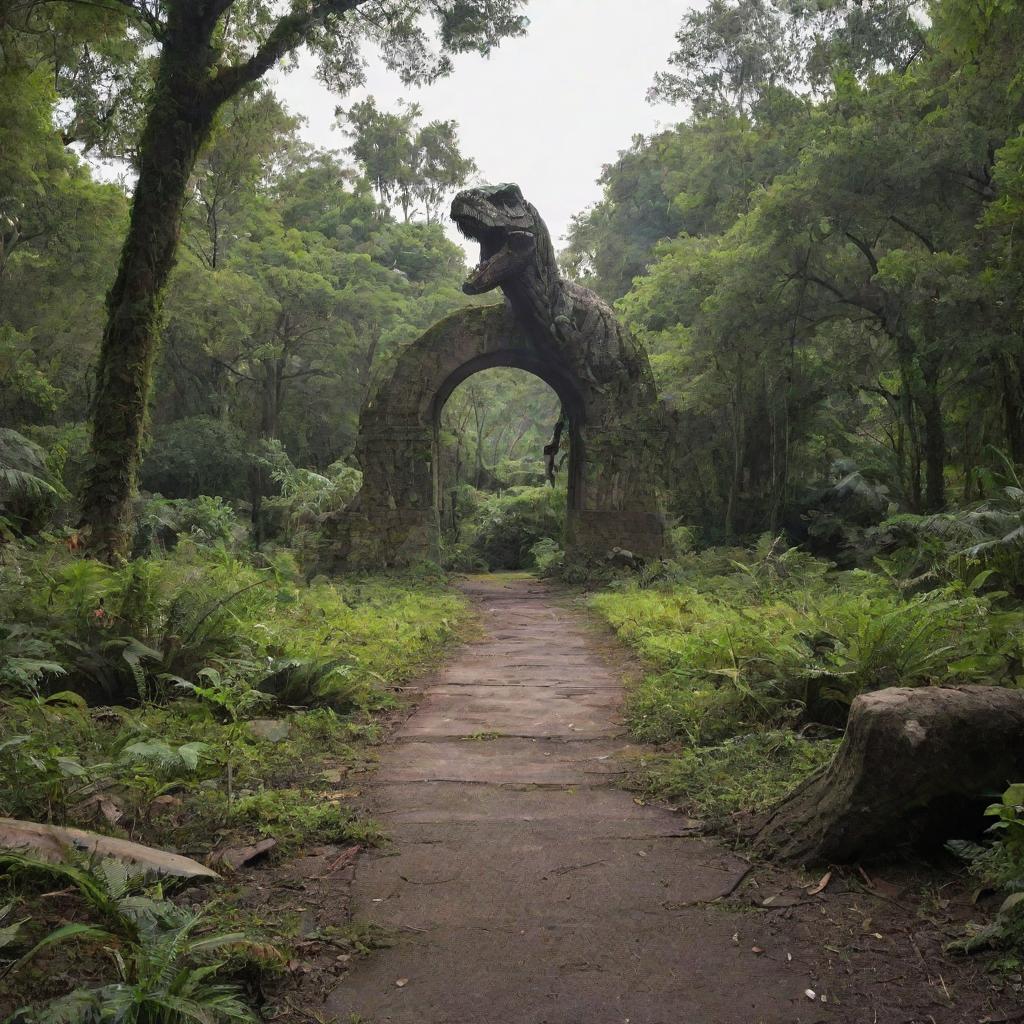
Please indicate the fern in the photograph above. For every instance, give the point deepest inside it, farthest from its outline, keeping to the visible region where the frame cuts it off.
(298, 682)
(23, 472)
(990, 532)
(27, 659)
(165, 758)
(165, 970)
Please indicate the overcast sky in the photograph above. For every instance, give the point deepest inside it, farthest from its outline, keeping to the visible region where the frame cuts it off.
(547, 110)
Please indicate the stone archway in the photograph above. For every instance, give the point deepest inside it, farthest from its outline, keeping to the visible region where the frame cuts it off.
(601, 375)
(394, 520)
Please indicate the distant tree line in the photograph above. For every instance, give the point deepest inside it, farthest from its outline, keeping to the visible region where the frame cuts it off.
(820, 257)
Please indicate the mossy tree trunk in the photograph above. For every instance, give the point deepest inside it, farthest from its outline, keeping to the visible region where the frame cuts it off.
(179, 121)
(191, 85)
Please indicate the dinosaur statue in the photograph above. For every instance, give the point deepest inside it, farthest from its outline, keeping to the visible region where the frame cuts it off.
(517, 256)
(562, 333)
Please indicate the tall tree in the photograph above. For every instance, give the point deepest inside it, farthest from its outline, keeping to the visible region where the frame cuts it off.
(205, 53)
(405, 161)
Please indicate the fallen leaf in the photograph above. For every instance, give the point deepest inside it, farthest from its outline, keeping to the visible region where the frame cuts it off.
(782, 899)
(51, 843)
(822, 884)
(106, 807)
(237, 856)
(347, 856)
(166, 801)
(401, 982)
(886, 889)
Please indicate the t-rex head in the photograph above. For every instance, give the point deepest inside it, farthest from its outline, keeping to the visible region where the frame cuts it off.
(508, 229)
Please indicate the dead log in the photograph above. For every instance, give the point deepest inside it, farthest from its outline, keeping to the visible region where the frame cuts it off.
(916, 767)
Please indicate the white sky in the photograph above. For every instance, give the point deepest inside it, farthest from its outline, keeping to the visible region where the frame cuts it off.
(546, 111)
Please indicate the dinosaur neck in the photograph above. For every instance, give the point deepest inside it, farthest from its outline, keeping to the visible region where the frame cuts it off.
(536, 294)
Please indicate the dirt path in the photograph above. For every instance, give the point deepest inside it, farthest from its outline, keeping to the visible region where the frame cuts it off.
(526, 888)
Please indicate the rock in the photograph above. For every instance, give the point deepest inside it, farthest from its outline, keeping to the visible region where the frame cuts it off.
(916, 767)
(272, 730)
(52, 843)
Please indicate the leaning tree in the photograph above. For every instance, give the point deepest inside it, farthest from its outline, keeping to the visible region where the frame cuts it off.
(198, 55)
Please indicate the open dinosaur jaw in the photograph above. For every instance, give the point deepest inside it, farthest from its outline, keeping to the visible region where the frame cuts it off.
(503, 253)
(491, 241)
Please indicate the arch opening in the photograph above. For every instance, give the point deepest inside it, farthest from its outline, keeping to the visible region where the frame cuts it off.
(507, 455)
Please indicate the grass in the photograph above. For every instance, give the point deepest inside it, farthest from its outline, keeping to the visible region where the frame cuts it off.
(746, 773)
(99, 730)
(743, 649)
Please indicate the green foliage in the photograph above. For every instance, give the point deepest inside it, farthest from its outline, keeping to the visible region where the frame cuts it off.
(197, 455)
(407, 162)
(987, 535)
(198, 641)
(166, 961)
(1000, 866)
(330, 684)
(745, 773)
(28, 491)
(493, 432)
(785, 258)
(506, 527)
(123, 633)
(778, 639)
(28, 659)
(547, 556)
(299, 818)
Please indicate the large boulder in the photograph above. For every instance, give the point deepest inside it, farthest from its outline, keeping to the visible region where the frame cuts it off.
(917, 766)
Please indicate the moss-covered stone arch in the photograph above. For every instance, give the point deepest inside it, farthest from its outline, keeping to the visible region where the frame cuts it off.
(614, 451)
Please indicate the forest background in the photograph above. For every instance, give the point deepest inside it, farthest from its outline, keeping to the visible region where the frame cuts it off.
(821, 257)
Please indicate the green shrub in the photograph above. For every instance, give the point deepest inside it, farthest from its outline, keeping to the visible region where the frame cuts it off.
(1000, 866)
(28, 489)
(167, 960)
(779, 638)
(121, 634)
(506, 526)
(987, 535)
(300, 818)
(160, 523)
(547, 556)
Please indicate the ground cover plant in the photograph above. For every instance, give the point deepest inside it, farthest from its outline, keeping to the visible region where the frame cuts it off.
(198, 701)
(754, 656)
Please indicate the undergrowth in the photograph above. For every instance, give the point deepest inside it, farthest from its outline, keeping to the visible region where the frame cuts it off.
(754, 656)
(745, 773)
(127, 706)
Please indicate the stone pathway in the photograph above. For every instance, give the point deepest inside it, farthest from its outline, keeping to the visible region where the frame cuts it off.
(525, 887)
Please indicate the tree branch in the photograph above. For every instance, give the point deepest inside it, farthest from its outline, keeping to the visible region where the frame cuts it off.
(308, 373)
(231, 369)
(865, 249)
(288, 34)
(923, 239)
